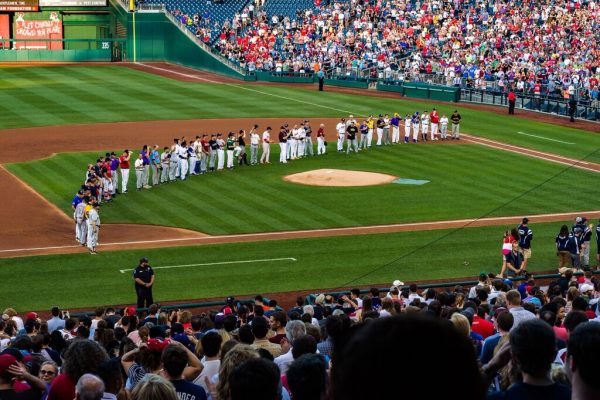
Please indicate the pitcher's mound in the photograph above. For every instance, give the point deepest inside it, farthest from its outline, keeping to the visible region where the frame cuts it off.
(339, 177)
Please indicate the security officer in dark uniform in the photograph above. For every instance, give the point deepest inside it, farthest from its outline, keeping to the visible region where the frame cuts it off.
(143, 276)
(572, 108)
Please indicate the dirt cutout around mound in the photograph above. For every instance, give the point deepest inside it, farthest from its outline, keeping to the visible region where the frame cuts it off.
(339, 178)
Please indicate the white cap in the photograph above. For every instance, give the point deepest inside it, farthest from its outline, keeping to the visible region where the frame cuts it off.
(398, 282)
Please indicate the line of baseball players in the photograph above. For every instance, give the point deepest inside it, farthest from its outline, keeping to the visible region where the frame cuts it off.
(388, 129)
(210, 153)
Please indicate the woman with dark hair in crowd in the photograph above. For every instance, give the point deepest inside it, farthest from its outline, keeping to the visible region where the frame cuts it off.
(143, 360)
(82, 357)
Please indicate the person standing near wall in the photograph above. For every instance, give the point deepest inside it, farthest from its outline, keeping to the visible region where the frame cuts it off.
(512, 99)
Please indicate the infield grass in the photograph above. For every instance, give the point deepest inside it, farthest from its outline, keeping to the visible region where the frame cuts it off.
(466, 181)
(81, 280)
(60, 95)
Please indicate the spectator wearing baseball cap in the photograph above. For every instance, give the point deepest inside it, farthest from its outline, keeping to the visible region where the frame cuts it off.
(13, 372)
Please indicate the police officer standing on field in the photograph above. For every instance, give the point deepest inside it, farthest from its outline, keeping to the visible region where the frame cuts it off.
(143, 276)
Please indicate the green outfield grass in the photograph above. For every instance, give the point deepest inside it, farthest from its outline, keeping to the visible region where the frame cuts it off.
(79, 280)
(466, 181)
(39, 96)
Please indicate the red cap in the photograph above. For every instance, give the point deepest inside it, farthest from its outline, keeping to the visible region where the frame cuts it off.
(31, 315)
(227, 310)
(6, 360)
(130, 310)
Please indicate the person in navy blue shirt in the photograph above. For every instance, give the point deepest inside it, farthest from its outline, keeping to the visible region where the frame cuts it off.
(175, 360)
(77, 199)
(525, 237)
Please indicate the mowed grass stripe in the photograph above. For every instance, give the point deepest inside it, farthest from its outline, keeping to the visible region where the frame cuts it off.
(279, 210)
(62, 101)
(150, 99)
(30, 105)
(104, 107)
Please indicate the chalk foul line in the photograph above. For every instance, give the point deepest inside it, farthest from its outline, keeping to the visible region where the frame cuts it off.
(544, 138)
(218, 263)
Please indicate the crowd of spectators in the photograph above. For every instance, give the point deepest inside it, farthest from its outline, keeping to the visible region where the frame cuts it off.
(546, 48)
(503, 339)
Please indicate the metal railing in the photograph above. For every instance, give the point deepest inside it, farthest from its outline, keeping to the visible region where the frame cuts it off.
(543, 104)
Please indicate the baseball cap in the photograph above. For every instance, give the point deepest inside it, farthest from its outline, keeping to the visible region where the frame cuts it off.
(586, 287)
(143, 259)
(578, 220)
(6, 360)
(397, 282)
(130, 310)
(525, 220)
(31, 315)
(227, 310)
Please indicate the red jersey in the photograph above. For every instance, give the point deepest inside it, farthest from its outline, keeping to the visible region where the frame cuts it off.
(435, 117)
(123, 162)
(321, 132)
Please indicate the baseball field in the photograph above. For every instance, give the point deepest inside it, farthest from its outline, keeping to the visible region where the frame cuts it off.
(248, 230)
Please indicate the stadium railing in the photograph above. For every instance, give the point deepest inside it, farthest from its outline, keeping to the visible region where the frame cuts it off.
(311, 296)
(543, 104)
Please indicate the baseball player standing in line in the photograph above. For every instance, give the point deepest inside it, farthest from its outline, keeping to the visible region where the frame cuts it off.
(165, 159)
(114, 166)
(364, 135)
(212, 143)
(146, 160)
(341, 131)
(321, 149)
(371, 125)
(230, 149)
(173, 164)
(407, 122)
(220, 152)
(352, 131)
(193, 157)
(205, 154)
(290, 136)
(282, 145)
(380, 125)
(444, 127)
(395, 122)
(435, 119)
(139, 172)
(386, 130)
(294, 143)
(155, 161)
(175, 157)
(254, 142)
(309, 151)
(266, 145)
(79, 217)
(241, 148)
(184, 156)
(424, 125)
(598, 243)
(455, 118)
(415, 124)
(81, 223)
(93, 228)
(301, 142)
(124, 165)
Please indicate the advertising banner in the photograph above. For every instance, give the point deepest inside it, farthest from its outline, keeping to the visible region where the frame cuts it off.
(31, 29)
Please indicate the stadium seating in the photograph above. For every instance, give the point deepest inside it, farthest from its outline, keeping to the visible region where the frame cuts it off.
(287, 8)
